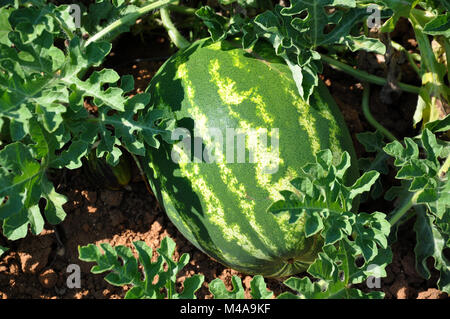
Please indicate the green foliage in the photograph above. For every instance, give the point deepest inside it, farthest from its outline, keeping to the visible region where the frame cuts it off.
(336, 271)
(426, 18)
(3, 250)
(49, 70)
(439, 125)
(373, 143)
(433, 236)
(426, 187)
(102, 13)
(159, 278)
(258, 289)
(257, 4)
(295, 38)
(44, 124)
(219, 291)
(423, 175)
(324, 203)
(439, 25)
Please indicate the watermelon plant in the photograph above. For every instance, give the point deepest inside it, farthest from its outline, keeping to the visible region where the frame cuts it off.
(127, 272)
(268, 210)
(43, 90)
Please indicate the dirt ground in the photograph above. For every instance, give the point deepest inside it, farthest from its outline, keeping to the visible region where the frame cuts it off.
(36, 266)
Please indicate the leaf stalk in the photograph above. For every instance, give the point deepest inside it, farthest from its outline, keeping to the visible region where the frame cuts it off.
(128, 18)
(398, 213)
(364, 76)
(369, 116)
(173, 32)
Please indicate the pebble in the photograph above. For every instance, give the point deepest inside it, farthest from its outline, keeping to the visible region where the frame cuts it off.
(48, 278)
(90, 196)
(91, 209)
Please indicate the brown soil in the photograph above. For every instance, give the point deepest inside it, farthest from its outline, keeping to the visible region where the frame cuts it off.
(36, 266)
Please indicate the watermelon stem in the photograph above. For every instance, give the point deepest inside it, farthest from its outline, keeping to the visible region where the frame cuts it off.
(364, 76)
(125, 19)
(173, 32)
(181, 9)
(412, 57)
(402, 210)
(369, 116)
(141, 171)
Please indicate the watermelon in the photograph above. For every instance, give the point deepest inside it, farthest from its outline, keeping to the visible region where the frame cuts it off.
(221, 206)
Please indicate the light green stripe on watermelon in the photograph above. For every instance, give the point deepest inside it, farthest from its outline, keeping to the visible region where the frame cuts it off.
(222, 207)
(230, 96)
(335, 144)
(237, 189)
(226, 89)
(306, 120)
(231, 232)
(216, 215)
(237, 61)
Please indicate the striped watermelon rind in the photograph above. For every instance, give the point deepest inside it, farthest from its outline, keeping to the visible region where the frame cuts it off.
(222, 207)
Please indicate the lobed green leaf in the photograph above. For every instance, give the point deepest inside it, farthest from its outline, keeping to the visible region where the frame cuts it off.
(124, 269)
(323, 202)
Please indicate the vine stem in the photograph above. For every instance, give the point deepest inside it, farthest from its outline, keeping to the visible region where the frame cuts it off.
(181, 9)
(141, 171)
(398, 214)
(128, 18)
(431, 65)
(369, 116)
(63, 26)
(412, 200)
(364, 76)
(173, 32)
(412, 57)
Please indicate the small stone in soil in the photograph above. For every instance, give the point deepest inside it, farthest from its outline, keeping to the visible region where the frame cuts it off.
(33, 252)
(14, 269)
(90, 196)
(157, 226)
(48, 278)
(91, 209)
(432, 293)
(400, 288)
